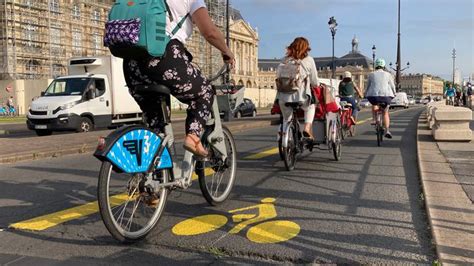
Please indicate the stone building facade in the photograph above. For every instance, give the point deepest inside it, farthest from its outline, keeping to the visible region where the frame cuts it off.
(38, 37)
(244, 44)
(422, 85)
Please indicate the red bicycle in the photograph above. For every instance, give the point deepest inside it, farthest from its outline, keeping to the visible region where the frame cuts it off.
(348, 125)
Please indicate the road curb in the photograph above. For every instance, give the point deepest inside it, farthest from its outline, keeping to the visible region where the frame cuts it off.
(450, 212)
(90, 147)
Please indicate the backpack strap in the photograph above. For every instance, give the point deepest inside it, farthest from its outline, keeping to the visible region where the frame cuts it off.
(179, 25)
(169, 11)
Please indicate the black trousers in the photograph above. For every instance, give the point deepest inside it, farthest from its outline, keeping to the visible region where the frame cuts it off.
(184, 79)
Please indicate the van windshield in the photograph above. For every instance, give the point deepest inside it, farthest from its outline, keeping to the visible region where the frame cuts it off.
(67, 87)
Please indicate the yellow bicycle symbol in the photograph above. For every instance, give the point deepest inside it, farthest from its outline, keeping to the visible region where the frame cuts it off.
(263, 232)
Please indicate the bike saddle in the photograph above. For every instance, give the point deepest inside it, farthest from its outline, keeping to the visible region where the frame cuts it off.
(294, 104)
(152, 88)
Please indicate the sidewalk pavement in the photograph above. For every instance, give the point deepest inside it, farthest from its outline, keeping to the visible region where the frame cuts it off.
(447, 173)
(33, 148)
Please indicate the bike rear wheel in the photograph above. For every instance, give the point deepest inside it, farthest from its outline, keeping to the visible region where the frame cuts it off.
(129, 209)
(379, 135)
(217, 177)
(289, 153)
(336, 139)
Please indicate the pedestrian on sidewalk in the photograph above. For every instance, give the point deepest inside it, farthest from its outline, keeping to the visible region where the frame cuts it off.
(469, 95)
(10, 106)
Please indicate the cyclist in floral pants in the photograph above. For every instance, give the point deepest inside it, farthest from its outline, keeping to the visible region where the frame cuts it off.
(175, 70)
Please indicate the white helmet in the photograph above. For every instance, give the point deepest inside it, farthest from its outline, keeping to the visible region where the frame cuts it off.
(347, 74)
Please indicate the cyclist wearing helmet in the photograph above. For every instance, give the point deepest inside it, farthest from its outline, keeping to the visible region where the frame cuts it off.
(347, 89)
(381, 90)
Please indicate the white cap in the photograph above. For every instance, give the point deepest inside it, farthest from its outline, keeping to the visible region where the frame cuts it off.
(347, 74)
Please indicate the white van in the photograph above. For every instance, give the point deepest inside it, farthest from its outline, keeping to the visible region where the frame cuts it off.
(400, 100)
(93, 95)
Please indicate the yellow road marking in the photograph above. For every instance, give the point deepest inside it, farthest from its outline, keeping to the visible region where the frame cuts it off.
(262, 154)
(199, 225)
(208, 171)
(273, 232)
(363, 121)
(50, 220)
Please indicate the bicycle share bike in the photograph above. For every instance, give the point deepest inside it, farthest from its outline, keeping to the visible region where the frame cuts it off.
(139, 169)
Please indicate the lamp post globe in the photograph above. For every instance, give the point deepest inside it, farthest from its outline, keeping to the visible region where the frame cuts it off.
(333, 28)
(374, 49)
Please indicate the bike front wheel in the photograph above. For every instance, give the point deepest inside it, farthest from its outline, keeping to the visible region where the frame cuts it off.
(217, 177)
(129, 208)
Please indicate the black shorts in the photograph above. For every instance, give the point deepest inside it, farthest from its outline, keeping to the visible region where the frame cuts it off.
(377, 100)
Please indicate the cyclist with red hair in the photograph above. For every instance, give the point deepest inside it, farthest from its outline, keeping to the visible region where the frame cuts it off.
(298, 51)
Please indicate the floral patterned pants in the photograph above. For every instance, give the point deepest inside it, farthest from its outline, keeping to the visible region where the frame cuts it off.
(184, 79)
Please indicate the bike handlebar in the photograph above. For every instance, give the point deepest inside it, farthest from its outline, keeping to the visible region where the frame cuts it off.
(224, 70)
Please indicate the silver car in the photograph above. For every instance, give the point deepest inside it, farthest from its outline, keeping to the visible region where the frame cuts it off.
(364, 103)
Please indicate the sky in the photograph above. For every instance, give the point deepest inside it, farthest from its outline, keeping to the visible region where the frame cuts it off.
(430, 29)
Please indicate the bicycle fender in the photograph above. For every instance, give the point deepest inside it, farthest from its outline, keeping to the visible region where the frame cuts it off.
(284, 142)
(133, 149)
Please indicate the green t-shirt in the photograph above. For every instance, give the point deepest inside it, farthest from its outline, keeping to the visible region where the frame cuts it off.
(346, 89)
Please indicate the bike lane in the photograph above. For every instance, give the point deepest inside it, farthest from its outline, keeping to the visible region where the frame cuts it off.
(362, 209)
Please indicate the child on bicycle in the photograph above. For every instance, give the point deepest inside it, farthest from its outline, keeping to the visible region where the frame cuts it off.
(176, 70)
(381, 90)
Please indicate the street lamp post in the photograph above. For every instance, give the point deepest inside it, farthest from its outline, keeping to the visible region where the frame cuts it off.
(332, 27)
(227, 37)
(399, 63)
(454, 65)
(373, 56)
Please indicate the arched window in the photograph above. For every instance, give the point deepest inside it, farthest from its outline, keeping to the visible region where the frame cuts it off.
(249, 84)
(241, 83)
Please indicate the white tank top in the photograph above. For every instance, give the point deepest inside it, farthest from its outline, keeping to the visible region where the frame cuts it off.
(178, 10)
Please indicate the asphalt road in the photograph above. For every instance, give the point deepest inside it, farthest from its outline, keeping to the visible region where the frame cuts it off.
(363, 209)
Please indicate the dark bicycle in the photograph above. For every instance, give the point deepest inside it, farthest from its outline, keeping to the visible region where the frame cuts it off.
(379, 122)
(292, 142)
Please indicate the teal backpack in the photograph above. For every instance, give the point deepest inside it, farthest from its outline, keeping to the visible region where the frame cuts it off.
(137, 28)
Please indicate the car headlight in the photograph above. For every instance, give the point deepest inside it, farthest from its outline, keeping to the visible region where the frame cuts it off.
(67, 106)
(64, 107)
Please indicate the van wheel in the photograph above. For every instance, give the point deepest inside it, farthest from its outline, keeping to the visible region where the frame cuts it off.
(43, 132)
(86, 125)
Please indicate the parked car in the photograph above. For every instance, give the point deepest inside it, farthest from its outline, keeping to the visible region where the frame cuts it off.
(417, 100)
(247, 108)
(411, 100)
(400, 100)
(365, 103)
